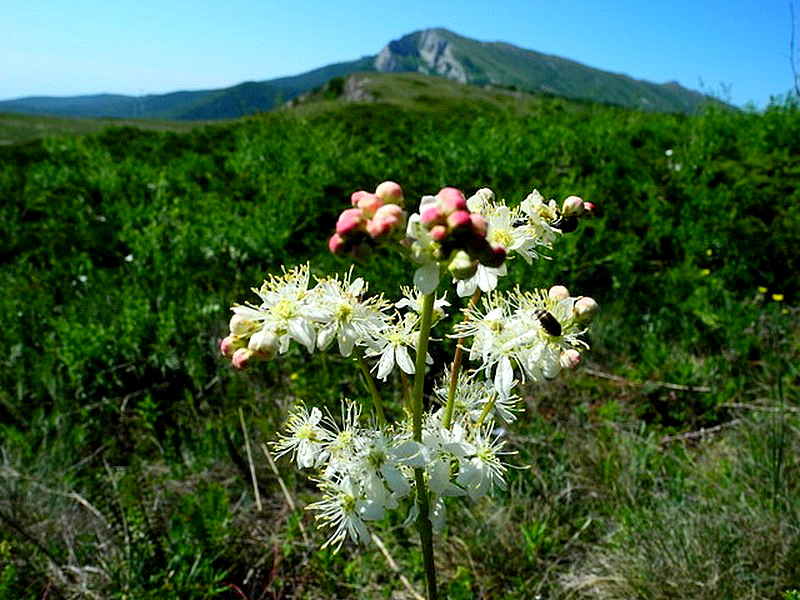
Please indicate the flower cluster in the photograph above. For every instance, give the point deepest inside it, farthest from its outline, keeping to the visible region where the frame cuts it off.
(363, 471)
(447, 444)
(374, 218)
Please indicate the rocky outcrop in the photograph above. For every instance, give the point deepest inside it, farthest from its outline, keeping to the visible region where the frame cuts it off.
(427, 52)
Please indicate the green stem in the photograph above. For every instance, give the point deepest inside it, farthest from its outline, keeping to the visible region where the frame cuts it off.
(457, 358)
(423, 520)
(373, 389)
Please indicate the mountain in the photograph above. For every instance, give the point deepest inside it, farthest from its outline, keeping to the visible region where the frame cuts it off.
(436, 52)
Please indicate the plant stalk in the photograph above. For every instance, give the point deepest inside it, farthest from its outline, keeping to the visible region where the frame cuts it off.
(423, 520)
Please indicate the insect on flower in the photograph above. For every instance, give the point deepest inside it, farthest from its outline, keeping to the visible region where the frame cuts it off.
(548, 322)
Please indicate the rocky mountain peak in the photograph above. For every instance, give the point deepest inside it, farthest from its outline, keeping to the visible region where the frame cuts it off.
(429, 51)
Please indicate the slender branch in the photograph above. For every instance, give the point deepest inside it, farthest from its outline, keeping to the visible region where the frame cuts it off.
(373, 389)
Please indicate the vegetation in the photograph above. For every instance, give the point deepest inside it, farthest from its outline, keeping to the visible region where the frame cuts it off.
(667, 467)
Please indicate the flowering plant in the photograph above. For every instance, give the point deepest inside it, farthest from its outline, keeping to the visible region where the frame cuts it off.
(451, 443)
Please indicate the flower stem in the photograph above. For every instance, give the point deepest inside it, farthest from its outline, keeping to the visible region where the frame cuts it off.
(457, 357)
(423, 520)
(373, 389)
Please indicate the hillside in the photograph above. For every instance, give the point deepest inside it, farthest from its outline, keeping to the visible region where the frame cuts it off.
(436, 52)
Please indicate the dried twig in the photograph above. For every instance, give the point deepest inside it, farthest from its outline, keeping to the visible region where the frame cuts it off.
(394, 567)
(250, 461)
(701, 433)
(632, 383)
(760, 408)
(285, 490)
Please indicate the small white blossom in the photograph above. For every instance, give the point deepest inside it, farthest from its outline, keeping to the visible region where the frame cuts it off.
(342, 314)
(305, 438)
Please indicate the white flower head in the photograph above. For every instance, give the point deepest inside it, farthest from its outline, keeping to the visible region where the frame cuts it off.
(284, 308)
(305, 438)
(343, 314)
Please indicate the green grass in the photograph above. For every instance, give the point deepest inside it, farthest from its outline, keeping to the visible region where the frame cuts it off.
(122, 465)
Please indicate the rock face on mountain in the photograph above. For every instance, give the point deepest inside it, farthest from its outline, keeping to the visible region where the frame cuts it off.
(428, 52)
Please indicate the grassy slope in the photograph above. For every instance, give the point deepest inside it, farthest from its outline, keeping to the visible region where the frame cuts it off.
(123, 467)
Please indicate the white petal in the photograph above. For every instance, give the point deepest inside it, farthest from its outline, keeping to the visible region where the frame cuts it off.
(404, 360)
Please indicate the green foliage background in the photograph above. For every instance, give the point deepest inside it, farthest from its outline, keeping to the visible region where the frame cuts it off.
(123, 469)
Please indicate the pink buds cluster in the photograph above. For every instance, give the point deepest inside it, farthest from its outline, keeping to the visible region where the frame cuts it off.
(374, 218)
(461, 234)
(248, 342)
(572, 209)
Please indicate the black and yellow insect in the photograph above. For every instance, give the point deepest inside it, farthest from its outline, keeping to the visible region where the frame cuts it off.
(548, 322)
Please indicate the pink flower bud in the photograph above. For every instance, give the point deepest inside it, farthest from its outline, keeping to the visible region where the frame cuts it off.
(390, 192)
(459, 219)
(336, 244)
(479, 224)
(570, 358)
(369, 203)
(558, 292)
(572, 206)
(451, 199)
(387, 218)
(438, 233)
(241, 358)
(432, 215)
(351, 220)
(230, 344)
(356, 196)
(589, 208)
(584, 308)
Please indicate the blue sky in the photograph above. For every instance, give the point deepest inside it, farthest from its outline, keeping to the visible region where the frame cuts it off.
(735, 49)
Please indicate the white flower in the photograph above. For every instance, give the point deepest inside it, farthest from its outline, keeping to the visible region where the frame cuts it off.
(284, 308)
(480, 473)
(343, 315)
(412, 300)
(484, 278)
(305, 438)
(344, 509)
(392, 347)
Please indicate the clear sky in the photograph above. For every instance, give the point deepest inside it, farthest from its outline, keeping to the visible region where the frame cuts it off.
(735, 49)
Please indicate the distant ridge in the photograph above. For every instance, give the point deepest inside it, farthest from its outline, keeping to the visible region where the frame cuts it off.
(435, 52)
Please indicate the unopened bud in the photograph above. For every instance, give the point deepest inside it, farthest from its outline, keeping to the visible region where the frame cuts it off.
(230, 344)
(479, 224)
(570, 358)
(241, 358)
(558, 292)
(241, 325)
(589, 208)
(264, 343)
(585, 308)
(369, 203)
(432, 215)
(349, 221)
(356, 196)
(438, 233)
(572, 206)
(451, 199)
(336, 244)
(495, 257)
(480, 200)
(462, 266)
(459, 219)
(391, 193)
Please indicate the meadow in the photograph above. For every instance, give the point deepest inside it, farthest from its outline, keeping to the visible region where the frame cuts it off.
(666, 466)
